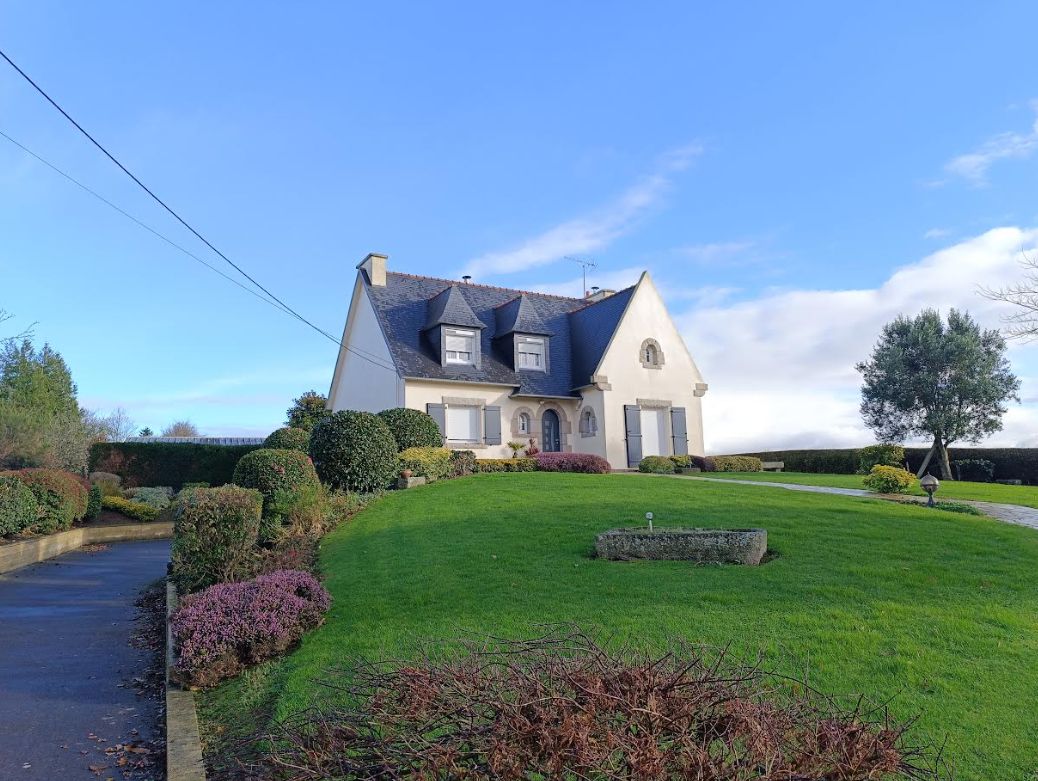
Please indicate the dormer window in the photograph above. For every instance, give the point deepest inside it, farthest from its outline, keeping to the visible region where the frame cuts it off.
(530, 353)
(459, 347)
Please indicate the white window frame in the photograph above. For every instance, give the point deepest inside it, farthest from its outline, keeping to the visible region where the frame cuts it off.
(524, 417)
(461, 333)
(479, 433)
(520, 342)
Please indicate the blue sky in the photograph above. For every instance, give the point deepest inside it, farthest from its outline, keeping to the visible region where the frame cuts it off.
(774, 167)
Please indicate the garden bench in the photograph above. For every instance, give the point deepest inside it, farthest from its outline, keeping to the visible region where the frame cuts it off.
(772, 466)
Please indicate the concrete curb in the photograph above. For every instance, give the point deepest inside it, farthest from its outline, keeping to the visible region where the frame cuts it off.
(24, 552)
(184, 760)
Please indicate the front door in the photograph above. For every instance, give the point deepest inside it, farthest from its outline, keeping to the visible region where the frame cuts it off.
(550, 440)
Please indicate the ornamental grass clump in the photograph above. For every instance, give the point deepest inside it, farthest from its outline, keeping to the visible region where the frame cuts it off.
(229, 626)
(888, 480)
(584, 463)
(562, 707)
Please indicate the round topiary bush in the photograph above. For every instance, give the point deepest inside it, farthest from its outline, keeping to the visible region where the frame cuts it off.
(272, 470)
(656, 465)
(288, 438)
(411, 428)
(354, 451)
(18, 506)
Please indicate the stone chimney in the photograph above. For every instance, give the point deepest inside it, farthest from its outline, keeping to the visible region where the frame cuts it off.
(597, 294)
(374, 266)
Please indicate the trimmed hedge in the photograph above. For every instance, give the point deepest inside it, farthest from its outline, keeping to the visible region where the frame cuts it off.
(19, 508)
(354, 451)
(167, 463)
(582, 463)
(270, 471)
(62, 497)
(288, 438)
(978, 470)
(657, 465)
(411, 428)
(215, 536)
(139, 511)
(1011, 463)
(736, 464)
(432, 463)
(506, 465)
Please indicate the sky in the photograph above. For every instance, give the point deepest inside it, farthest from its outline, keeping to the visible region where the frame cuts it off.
(792, 176)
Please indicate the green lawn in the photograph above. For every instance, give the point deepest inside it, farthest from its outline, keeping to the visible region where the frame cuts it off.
(1026, 495)
(938, 611)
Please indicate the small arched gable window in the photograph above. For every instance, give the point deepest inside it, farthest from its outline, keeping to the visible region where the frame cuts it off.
(588, 423)
(524, 423)
(651, 356)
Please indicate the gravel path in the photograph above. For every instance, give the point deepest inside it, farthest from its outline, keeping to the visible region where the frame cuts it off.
(68, 672)
(1008, 513)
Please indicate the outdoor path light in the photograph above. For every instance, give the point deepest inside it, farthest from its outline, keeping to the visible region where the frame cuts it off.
(930, 484)
(648, 517)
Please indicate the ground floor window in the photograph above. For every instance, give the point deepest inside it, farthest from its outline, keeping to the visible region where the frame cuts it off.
(524, 423)
(588, 423)
(463, 424)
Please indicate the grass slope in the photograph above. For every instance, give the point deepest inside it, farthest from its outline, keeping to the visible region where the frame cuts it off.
(938, 611)
(1025, 495)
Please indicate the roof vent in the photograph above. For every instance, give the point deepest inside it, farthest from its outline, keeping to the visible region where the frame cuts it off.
(467, 278)
(598, 294)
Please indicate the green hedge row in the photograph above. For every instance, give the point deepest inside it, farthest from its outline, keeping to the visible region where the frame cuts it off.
(1011, 463)
(167, 463)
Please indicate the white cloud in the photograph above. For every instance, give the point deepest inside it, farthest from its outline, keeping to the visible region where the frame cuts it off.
(592, 232)
(973, 166)
(937, 233)
(715, 252)
(781, 366)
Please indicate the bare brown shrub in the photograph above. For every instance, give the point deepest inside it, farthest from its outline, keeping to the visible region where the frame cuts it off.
(562, 707)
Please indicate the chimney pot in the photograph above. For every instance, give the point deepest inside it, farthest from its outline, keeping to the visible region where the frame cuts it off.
(374, 266)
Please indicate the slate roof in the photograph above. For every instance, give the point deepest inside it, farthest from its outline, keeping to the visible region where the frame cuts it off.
(578, 331)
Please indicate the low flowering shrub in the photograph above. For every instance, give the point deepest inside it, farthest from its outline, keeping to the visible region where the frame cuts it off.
(19, 509)
(887, 455)
(288, 438)
(506, 464)
(563, 707)
(159, 497)
(432, 463)
(139, 511)
(61, 495)
(463, 463)
(888, 479)
(219, 631)
(94, 503)
(215, 536)
(584, 463)
(735, 464)
(411, 428)
(657, 465)
(271, 471)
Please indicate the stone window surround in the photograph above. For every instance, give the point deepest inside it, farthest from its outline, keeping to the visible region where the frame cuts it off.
(565, 426)
(466, 401)
(593, 432)
(650, 342)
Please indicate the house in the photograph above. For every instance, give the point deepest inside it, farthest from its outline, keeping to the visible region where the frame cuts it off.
(607, 374)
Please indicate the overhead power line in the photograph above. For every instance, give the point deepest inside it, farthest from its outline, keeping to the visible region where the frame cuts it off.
(282, 305)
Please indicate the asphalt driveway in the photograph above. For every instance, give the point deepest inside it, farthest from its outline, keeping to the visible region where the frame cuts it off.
(66, 664)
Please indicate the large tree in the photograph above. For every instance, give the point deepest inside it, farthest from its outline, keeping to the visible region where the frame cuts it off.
(307, 410)
(1022, 322)
(947, 381)
(39, 380)
(180, 428)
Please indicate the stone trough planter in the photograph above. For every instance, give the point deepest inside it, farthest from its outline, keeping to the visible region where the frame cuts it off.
(701, 546)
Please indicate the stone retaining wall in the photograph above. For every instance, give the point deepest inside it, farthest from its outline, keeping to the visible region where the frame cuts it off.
(24, 552)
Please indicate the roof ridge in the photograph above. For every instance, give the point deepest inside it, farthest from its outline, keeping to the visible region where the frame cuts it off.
(590, 304)
(457, 283)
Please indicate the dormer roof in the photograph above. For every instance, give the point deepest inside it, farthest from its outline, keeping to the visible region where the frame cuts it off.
(449, 307)
(519, 316)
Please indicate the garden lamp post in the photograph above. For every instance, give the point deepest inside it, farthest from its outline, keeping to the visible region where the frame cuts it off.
(930, 484)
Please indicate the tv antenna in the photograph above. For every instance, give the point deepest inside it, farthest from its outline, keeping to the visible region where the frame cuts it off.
(585, 264)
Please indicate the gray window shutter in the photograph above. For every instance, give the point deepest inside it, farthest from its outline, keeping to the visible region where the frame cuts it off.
(492, 425)
(438, 412)
(679, 431)
(633, 421)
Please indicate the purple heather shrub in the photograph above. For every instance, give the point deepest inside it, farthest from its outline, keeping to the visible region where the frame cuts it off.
(219, 631)
(572, 462)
